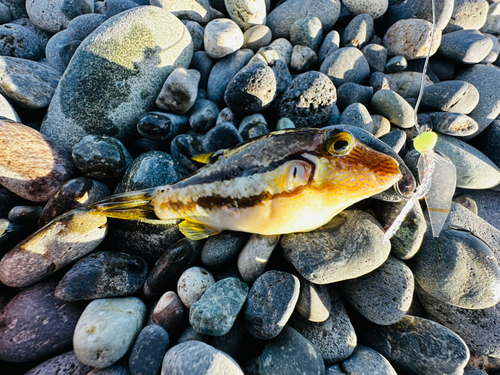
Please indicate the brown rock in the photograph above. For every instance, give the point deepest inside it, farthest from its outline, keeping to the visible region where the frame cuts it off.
(31, 166)
(168, 313)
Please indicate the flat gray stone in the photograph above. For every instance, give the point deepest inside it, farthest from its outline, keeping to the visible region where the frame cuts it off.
(408, 83)
(451, 96)
(366, 360)
(99, 91)
(347, 64)
(393, 106)
(375, 8)
(465, 46)
(359, 31)
(468, 14)
(449, 123)
(19, 41)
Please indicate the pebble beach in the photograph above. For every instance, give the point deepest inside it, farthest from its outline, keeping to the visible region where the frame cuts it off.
(106, 97)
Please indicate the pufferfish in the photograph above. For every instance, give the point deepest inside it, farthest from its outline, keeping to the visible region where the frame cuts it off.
(287, 181)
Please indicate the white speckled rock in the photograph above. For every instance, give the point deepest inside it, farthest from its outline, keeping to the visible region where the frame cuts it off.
(192, 284)
(222, 37)
(411, 38)
(247, 13)
(54, 15)
(193, 10)
(375, 8)
(116, 75)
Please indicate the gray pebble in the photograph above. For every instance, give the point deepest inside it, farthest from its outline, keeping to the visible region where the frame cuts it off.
(54, 16)
(408, 83)
(486, 202)
(396, 139)
(466, 46)
(347, 64)
(357, 114)
(359, 31)
(394, 107)
(82, 26)
(349, 246)
(256, 37)
(189, 334)
(160, 126)
(303, 59)
(193, 10)
(192, 284)
(384, 295)
(247, 13)
(350, 93)
(222, 247)
(375, 8)
(224, 135)
(169, 313)
(54, 48)
(420, 9)
(148, 350)
(253, 258)
(396, 64)
(314, 301)
(366, 360)
(203, 115)
(492, 57)
(330, 44)
(381, 125)
(381, 81)
(283, 48)
(455, 124)
(5, 14)
(285, 123)
(468, 14)
(307, 32)
(113, 7)
(492, 24)
(202, 63)
(107, 329)
(376, 56)
(270, 303)
(19, 41)
(197, 34)
(222, 37)
(62, 363)
(7, 111)
(451, 96)
(179, 91)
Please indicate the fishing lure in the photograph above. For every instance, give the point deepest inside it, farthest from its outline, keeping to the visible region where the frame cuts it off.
(292, 180)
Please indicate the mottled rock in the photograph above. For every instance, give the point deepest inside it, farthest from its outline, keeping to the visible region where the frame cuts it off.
(7, 111)
(247, 13)
(192, 284)
(168, 313)
(376, 56)
(307, 32)
(449, 123)
(179, 91)
(365, 359)
(375, 8)
(54, 15)
(253, 258)
(222, 37)
(19, 41)
(359, 31)
(347, 64)
(314, 301)
(54, 50)
(193, 10)
(63, 363)
(222, 247)
(408, 83)
(148, 350)
(224, 135)
(468, 14)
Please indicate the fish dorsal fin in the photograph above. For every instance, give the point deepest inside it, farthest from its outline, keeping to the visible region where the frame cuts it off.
(203, 158)
(196, 231)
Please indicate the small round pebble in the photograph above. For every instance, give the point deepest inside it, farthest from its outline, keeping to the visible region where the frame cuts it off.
(314, 301)
(376, 56)
(222, 37)
(148, 350)
(307, 32)
(222, 247)
(408, 83)
(19, 41)
(303, 58)
(359, 31)
(65, 363)
(54, 50)
(203, 115)
(375, 8)
(394, 107)
(396, 64)
(179, 91)
(192, 284)
(350, 93)
(169, 313)
(347, 64)
(161, 126)
(224, 135)
(253, 258)
(330, 44)
(247, 13)
(366, 360)
(82, 26)
(256, 37)
(357, 114)
(466, 46)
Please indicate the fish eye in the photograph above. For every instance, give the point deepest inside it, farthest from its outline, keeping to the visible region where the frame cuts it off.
(338, 142)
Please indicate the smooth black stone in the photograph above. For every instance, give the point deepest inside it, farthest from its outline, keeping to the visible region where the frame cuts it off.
(8, 200)
(28, 215)
(254, 130)
(103, 275)
(185, 146)
(148, 351)
(203, 115)
(159, 126)
(202, 63)
(222, 247)
(224, 135)
(11, 234)
(113, 7)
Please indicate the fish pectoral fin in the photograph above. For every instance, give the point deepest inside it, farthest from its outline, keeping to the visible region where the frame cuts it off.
(203, 158)
(197, 231)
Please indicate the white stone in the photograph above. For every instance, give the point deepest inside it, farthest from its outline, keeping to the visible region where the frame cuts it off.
(222, 37)
(247, 13)
(192, 284)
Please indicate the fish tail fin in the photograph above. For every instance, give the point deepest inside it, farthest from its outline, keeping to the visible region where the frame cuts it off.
(133, 205)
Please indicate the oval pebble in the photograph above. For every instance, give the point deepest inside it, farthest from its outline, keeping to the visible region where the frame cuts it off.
(359, 31)
(222, 37)
(63, 363)
(408, 83)
(347, 64)
(375, 8)
(253, 258)
(19, 41)
(203, 115)
(366, 359)
(449, 123)
(307, 32)
(465, 46)
(247, 13)
(350, 93)
(224, 135)
(451, 96)
(222, 247)
(54, 50)
(357, 114)
(148, 351)
(169, 313)
(376, 56)
(82, 26)
(256, 37)
(314, 301)
(179, 91)
(192, 283)
(54, 15)
(393, 106)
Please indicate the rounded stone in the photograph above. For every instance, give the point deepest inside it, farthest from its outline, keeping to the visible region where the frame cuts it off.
(330, 44)
(307, 32)
(366, 359)
(468, 14)
(107, 329)
(99, 91)
(381, 125)
(381, 81)
(222, 37)
(396, 139)
(455, 124)
(179, 91)
(54, 15)
(396, 64)
(303, 58)
(270, 303)
(196, 357)
(350, 93)
(253, 258)
(36, 325)
(283, 48)
(376, 56)
(215, 312)
(204, 64)
(357, 114)
(63, 363)
(54, 50)
(192, 10)
(420, 9)
(169, 313)
(7, 111)
(410, 38)
(222, 247)
(451, 96)
(349, 246)
(290, 353)
(347, 64)
(19, 41)
(256, 37)
(408, 83)
(103, 275)
(196, 31)
(52, 247)
(384, 295)
(203, 115)
(247, 13)
(492, 24)
(224, 135)
(393, 106)
(148, 351)
(309, 100)
(466, 46)
(160, 126)
(192, 284)
(113, 7)
(314, 302)
(82, 26)
(375, 8)
(359, 31)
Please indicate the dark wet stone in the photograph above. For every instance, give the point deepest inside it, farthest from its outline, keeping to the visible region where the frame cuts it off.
(174, 261)
(79, 192)
(270, 303)
(148, 350)
(52, 247)
(189, 334)
(222, 247)
(455, 124)
(291, 353)
(185, 146)
(11, 233)
(253, 258)
(18, 41)
(66, 363)
(179, 91)
(169, 313)
(233, 343)
(160, 126)
(488, 141)
(254, 130)
(8, 200)
(359, 32)
(349, 246)
(309, 100)
(223, 72)
(116, 369)
(103, 275)
(82, 26)
(203, 115)
(451, 96)
(152, 169)
(28, 215)
(197, 33)
(36, 325)
(196, 357)
(350, 93)
(224, 135)
(384, 295)
(419, 346)
(356, 114)
(215, 312)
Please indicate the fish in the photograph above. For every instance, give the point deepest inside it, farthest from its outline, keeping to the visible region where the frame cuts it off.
(292, 180)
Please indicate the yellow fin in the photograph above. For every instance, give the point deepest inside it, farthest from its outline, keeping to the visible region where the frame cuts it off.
(133, 205)
(203, 158)
(196, 231)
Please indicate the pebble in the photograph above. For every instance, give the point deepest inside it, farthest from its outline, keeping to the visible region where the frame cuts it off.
(375, 8)
(215, 312)
(495, 51)
(82, 26)
(381, 125)
(103, 274)
(192, 284)
(488, 140)
(366, 360)
(281, 18)
(283, 48)
(351, 93)
(408, 83)
(451, 96)
(107, 329)
(75, 193)
(482, 77)
(116, 369)
(247, 13)
(357, 114)
(63, 363)
(253, 258)
(252, 89)
(94, 76)
(486, 203)
(256, 37)
(149, 348)
(309, 100)
(290, 353)
(331, 43)
(19, 41)
(113, 7)
(169, 313)
(393, 106)
(419, 346)
(222, 247)
(202, 63)
(196, 357)
(465, 46)
(35, 325)
(185, 146)
(222, 37)
(492, 24)
(314, 302)
(54, 51)
(101, 157)
(396, 139)
(384, 295)
(359, 31)
(224, 135)
(307, 31)
(410, 38)
(7, 111)
(5, 14)
(303, 59)
(192, 10)
(253, 126)
(233, 342)
(196, 31)
(179, 91)
(52, 247)
(376, 56)
(223, 72)
(396, 64)
(335, 338)
(347, 64)
(203, 115)
(468, 14)
(349, 246)
(455, 124)
(270, 303)
(55, 16)
(420, 9)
